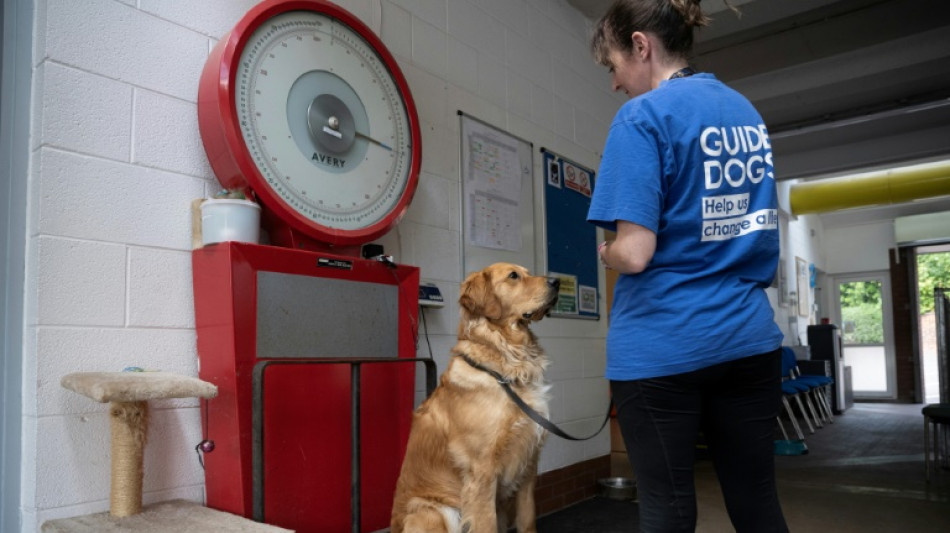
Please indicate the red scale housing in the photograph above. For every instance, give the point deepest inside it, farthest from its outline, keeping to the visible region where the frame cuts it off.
(303, 402)
(282, 419)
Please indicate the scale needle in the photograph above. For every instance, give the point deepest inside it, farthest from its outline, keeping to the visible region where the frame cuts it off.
(372, 140)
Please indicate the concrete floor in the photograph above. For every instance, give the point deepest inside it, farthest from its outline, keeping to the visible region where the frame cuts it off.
(864, 473)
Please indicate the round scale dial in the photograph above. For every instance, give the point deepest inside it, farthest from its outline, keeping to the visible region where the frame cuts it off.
(303, 104)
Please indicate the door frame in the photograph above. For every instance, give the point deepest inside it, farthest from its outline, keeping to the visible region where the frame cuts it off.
(16, 67)
(887, 315)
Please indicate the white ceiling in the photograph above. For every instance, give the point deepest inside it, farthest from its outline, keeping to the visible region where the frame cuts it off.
(844, 85)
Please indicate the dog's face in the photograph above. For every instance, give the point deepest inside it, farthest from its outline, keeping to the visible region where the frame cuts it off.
(506, 291)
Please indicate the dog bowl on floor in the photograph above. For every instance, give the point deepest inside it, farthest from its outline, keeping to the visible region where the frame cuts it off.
(617, 488)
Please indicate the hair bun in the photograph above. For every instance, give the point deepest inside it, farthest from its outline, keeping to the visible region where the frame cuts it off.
(691, 12)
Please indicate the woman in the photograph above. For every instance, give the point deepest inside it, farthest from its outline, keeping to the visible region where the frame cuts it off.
(687, 183)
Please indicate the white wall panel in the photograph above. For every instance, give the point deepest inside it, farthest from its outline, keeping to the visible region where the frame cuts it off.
(84, 112)
(89, 198)
(429, 48)
(160, 289)
(118, 160)
(166, 135)
(64, 350)
(860, 248)
(80, 283)
(209, 18)
(396, 30)
(125, 44)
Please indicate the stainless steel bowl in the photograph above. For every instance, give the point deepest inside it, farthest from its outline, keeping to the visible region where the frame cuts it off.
(617, 488)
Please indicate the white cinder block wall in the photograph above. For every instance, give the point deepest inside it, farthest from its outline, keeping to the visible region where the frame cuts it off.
(117, 159)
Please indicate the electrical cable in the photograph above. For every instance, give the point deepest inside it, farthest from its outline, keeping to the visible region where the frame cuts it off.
(425, 328)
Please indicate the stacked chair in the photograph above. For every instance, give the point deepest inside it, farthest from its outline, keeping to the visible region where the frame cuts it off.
(936, 417)
(809, 392)
(820, 389)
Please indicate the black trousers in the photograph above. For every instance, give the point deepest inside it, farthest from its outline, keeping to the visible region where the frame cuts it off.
(734, 404)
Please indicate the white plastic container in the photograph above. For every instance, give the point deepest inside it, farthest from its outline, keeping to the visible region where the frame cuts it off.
(230, 220)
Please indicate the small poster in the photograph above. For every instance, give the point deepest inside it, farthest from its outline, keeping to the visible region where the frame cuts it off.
(554, 173)
(567, 294)
(801, 276)
(577, 179)
(588, 299)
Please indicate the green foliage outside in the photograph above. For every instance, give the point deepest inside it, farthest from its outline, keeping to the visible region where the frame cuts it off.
(933, 270)
(861, 318)
(861, 312)
(863, 324)
(860, 292)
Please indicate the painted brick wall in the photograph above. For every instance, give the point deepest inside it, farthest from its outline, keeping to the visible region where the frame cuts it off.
(117, 159)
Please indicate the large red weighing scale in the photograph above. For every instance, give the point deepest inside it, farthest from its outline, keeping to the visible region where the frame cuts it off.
(312, 346)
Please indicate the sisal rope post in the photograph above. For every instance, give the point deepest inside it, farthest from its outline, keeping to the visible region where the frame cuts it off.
(129, 424)
(128, 394)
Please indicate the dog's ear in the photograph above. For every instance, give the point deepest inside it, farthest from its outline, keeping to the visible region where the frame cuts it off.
(466, 296)
(478, 296)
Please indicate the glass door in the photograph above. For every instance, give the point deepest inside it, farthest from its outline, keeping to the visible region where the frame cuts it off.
(933, 272)
(865, 316)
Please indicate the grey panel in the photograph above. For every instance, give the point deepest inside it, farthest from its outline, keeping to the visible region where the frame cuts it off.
(304, 316)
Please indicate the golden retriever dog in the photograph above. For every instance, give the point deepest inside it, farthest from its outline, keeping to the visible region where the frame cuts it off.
(472, 453)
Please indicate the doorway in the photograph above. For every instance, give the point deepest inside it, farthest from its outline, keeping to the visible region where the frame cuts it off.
(932, 271)
(864, 313)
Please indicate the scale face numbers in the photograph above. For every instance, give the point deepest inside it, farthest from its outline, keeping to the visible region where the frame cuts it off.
(319, 120)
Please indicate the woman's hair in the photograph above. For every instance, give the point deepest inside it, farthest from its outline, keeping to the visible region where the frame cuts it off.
(670, 20)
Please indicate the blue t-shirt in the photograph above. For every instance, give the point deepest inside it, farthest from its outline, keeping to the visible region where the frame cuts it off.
(690, 160)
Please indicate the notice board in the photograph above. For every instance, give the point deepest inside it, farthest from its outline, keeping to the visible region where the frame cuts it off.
(570, 241)
(497, 197)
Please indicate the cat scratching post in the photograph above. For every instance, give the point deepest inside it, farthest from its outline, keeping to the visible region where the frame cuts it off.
(129, 425)
(128, 394)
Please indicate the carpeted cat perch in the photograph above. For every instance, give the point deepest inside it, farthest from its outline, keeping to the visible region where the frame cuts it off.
(128, 394)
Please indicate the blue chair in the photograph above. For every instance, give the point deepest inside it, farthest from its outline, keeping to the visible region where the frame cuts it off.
(820, 386)
(791, 390)
(790, 446)
(801, 389)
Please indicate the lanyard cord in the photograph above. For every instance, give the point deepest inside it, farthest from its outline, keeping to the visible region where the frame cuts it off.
(684, 72)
